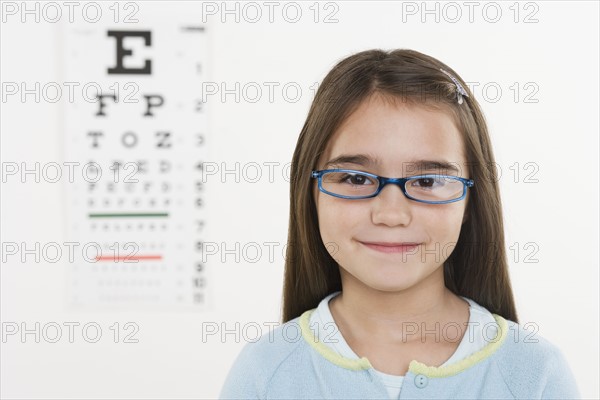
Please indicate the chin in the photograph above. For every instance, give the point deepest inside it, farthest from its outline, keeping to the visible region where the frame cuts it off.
(387, 283)
(391, 287)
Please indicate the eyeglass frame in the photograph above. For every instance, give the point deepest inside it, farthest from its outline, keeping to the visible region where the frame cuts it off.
(401, 182)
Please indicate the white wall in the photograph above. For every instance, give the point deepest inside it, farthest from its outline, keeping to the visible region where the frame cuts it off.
(557, 55)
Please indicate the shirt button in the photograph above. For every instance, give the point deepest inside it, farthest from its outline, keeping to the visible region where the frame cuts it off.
(421, 381)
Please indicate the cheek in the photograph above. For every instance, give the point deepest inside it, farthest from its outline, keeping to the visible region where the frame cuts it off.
(337, 219)
(444, 226)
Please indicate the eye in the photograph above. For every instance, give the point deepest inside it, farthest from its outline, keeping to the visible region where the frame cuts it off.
(427, 183)
(357, 179)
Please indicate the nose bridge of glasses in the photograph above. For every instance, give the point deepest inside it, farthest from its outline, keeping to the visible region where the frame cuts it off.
(397, 182)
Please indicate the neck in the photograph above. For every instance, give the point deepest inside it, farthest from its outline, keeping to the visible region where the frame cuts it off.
(394, 315)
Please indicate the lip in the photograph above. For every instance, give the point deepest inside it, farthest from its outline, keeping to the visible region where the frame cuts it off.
(392, 247)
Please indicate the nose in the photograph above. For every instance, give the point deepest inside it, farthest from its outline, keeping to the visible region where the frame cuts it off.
(391, 207)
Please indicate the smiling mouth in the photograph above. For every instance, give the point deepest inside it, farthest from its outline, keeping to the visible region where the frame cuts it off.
(392, 247)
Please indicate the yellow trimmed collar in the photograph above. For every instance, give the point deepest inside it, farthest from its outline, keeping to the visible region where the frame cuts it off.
(414, 366)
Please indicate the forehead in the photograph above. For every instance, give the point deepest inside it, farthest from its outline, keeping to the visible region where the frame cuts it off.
(396, 133)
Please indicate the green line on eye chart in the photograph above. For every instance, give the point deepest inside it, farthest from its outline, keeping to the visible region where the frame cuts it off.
(128, 215)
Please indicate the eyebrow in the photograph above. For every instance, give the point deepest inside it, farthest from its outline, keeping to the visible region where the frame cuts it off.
(366, 161)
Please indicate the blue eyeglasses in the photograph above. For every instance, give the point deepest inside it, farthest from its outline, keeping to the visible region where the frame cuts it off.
(430, 189)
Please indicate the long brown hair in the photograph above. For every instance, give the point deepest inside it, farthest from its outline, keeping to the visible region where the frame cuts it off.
(477, 267)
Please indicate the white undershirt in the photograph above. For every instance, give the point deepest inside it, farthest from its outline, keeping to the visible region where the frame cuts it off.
(482, 328)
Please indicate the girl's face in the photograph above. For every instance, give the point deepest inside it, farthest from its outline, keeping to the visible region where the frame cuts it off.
(393, 140)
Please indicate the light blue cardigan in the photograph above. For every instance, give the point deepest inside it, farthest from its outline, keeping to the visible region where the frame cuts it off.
(289, 363)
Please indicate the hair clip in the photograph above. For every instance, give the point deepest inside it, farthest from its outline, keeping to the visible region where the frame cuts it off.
(460, 90)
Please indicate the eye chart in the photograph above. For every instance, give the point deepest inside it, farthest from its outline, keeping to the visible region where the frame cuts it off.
(135, 136)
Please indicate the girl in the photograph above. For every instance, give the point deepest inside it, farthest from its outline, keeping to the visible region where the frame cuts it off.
(396, 279)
